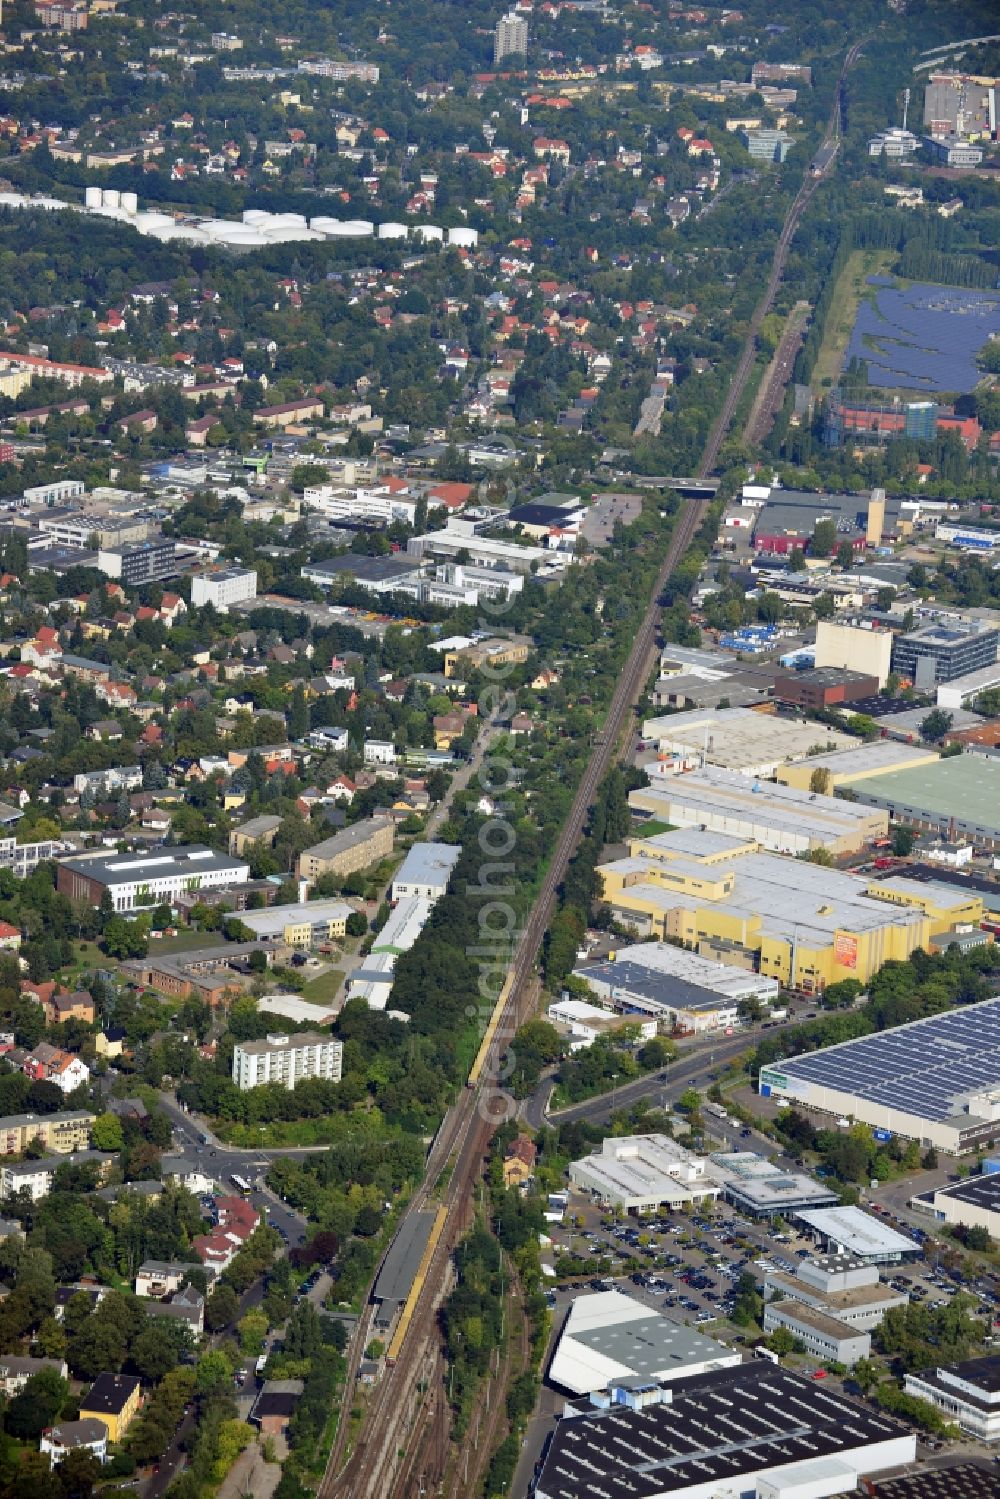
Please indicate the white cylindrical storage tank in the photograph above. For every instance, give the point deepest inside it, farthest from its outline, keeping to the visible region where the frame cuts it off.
(323, 224)
(392, 231)
(255, 215)
(467, 239)
(293, 220)
(111, 197)
(190, 232)
(360, 228)
(92, 197)
(150, 219)
(283, 234)
(428, 232)
(130, 202)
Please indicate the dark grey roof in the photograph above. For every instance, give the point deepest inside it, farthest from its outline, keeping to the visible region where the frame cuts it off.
(110, 1393)
(366, 569)
(960, 1481)
(400, 1266)
(720, 1429)
(663, 988)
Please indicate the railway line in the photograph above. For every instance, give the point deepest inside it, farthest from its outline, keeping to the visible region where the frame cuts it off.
(403, 1446)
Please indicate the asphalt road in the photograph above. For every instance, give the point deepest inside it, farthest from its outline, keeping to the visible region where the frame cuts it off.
(223, 1162)
(691, 1069)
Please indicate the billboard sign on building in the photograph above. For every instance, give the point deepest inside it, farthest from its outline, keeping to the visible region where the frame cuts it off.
(845, 950)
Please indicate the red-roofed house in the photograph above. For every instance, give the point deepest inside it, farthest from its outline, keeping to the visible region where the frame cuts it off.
(450, 496)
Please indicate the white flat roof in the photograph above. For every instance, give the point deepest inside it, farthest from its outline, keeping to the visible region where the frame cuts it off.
(722, 978)
(272, 921)
(405, 923)
(737, 737)
(297, 1009)
(609, 1336)
(644, 1169)
(860, 1233)
(714, 791)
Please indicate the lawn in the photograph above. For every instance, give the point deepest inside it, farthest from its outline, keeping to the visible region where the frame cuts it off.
(187, 940)
(847, 294)
(325, 988)
(651, 828)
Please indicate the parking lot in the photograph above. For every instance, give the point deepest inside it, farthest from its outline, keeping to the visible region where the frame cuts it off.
(688, 1266)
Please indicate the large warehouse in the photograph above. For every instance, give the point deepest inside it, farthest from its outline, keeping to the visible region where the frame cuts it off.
(800, 923)
(739, 738)
(755, 1429)
(957, 797)
(935, 1080)
(783, 819)
(609, 1336)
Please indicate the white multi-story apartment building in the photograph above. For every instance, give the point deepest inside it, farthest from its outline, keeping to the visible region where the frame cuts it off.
(224, 587)
(287, 1060)
(510, 39)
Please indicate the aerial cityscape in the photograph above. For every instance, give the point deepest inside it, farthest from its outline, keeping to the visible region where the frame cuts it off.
(500, 750)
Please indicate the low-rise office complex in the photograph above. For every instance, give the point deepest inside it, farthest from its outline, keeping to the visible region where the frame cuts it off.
(821, 1335)
(841, 1285)
(640, 1173)
(967, 1393)
(286, 1060)
(936, 1080)
(149, 879)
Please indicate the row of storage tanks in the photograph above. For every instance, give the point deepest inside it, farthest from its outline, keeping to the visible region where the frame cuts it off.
(259, 228)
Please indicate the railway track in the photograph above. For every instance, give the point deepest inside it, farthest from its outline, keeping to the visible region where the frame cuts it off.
(402, 1452)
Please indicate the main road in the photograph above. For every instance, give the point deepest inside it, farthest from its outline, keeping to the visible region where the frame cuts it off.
(403, 1428)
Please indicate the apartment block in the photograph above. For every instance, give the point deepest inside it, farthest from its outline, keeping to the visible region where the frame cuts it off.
(286, 1060)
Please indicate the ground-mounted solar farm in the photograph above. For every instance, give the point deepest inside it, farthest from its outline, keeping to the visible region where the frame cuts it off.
(922, 337)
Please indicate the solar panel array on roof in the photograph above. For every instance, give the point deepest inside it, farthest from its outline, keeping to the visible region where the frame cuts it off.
(918, 1068)
(961, 1481)
(719, 1427)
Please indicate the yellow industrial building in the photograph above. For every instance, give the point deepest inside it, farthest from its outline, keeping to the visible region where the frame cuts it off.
(859, 763)
(801, 923)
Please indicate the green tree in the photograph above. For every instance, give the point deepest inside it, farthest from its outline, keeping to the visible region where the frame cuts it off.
(37, 1405)
(781, 1341)
(221, 1308)
(107, 1133)
(903, 839)
(824, 539)
(935, 726)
